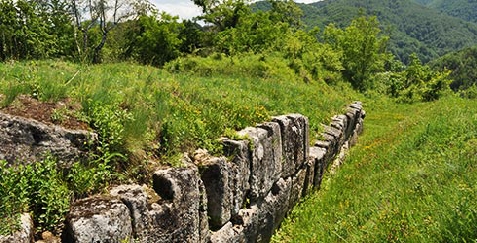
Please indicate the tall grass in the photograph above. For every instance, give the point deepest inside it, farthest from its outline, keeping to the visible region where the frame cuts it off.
(179, 111)
(412, 178)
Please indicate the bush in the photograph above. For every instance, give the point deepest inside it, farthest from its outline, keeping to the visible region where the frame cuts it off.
(38, 188)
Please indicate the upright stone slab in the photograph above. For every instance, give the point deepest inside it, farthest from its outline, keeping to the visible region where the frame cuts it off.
(297, 187)
(310, 176)
(177, 217)
(265, 158)
(295, 142)
(243, 228)
(274, 208)
(238, 153)
(340, 122)
(215, 172)
(317, 154)
(135, 198)
(98, 219)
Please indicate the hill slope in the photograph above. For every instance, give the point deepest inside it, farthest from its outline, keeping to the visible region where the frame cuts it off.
(463, 9)
(411, 26)
(411, 178)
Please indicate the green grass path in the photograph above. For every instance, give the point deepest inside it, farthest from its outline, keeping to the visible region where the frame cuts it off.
(411, 178)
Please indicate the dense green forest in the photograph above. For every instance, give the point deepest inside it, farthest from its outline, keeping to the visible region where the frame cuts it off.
(413, 28)
(463, 9)
(154, 87)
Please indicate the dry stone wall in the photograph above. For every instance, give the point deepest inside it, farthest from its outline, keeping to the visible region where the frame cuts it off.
(242, 196)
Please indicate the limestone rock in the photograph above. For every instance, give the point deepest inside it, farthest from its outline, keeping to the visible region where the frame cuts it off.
(177, 217)
(317, 154)
(226, 234)
(215, 172)
(265, 158)
(24, 235)
(238, 154)
(297, 187)
(98, 219)
(28, 141)
(274, 209)
(135, 198)
(295, 142)
(310, 176)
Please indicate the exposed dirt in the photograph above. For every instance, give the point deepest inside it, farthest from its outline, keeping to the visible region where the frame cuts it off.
(61, 113)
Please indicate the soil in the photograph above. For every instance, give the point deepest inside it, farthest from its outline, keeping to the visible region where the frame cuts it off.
(61, 113)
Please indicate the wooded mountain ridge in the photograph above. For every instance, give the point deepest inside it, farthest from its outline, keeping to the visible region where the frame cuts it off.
(430, 28)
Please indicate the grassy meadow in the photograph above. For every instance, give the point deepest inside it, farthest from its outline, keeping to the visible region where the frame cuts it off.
(411, 178)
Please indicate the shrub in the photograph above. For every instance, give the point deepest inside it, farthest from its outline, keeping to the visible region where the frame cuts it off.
(38, 188)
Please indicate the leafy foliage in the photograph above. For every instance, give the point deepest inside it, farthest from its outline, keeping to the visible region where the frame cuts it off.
(463, 67)
(363, 49)
(39, 188)
(31, 29)
(412, 28)
(463, 9)
(157, 40)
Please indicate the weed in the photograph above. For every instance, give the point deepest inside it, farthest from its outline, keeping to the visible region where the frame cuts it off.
(38, 188)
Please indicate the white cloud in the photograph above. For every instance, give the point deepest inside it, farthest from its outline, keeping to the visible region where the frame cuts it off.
(186, 9)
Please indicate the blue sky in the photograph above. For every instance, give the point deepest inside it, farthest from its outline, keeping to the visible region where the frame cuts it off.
(186, 8)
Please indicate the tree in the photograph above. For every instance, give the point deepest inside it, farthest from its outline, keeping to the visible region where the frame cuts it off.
(157, 39)
(364, 49)
(223, 14)
(286, 11)
(105, 15)
(33, 29)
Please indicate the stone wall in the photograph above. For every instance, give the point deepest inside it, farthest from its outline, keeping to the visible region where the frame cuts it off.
(242, 196)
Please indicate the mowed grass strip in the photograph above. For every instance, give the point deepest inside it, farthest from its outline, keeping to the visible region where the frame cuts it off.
(411, 178)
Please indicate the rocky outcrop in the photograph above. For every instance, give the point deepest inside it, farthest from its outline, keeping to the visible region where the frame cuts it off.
(26, 140)
(242, 196)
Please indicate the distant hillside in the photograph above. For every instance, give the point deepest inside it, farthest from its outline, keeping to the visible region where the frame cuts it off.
(463, 65)
(463, 9)
(412, 27)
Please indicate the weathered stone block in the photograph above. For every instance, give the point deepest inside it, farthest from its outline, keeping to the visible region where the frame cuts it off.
(274, 209)
(28, 141)
(25, 234)
(238, 153)
(297, 187)
(310, 176)
(214, 173)
(246, 224)
(135, 198)
(265, 158)
(98, 219)
(295, 142)
(177, 217)
(317, 154)
(204, 232)
(226, 234)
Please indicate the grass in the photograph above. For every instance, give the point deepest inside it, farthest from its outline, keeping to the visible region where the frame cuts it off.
(177, 112)
(411, 178)
(145, 116)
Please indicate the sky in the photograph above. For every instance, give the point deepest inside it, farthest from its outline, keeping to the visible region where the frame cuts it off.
(186, 9)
